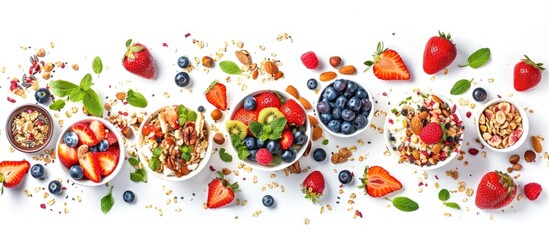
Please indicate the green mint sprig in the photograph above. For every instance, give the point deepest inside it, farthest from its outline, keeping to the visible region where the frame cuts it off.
(272, 131)
(238, 144)
(107, 202)
(140, 175)
(443, 196)
(478, 58)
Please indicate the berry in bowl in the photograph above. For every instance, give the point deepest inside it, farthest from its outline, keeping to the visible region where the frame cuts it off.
(344, 108)
(502, 125)
(425, 131)
(89, 151)
(269, 130)
(29, 128)
(174, 143)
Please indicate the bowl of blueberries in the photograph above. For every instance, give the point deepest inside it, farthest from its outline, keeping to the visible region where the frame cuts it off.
(344, 108)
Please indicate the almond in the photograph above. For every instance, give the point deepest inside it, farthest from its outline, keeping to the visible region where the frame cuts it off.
(306, 104)
(243, 57)
(255, 73)
(536, 144)
(292, 91)
(270, 67)
(335, 61)
(437, 148)
(514, 159)
(416, 154)
(423, 115)
(313, 121)
(278, 75)
(216, 114)
(317, 133)
(327, 76)
(416, 125)
(347, 70)
(436, 99)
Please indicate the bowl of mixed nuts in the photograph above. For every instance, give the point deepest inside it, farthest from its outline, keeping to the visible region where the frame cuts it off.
(174, 143)
(424, 130)
(502, 125)
(29, 128)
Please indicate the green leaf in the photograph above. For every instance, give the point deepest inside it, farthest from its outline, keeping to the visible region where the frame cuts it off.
(186, 156)
(107, 202)
(478, 58)
(267, 129)
(143, 174)
(154, 164)
(277, 126)
(92, 103)
(229, 67)
(226, 157)
(461, 87)
(181, 109)
(97, 65)
(62, 88)
(128, 43)
(325, 142)
(136, 99)
(133, 161)
(192, 116)
(235, 140)
(405, 204)
(86, 82)
(264, 136)
(243, 152)
(136, 176)
(157, 151)
(443, 195)
(256, 129)
(452, 205)
(58, 104)
(77, 95)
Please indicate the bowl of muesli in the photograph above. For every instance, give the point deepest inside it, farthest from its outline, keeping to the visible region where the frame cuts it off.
(174, 143)
(502, 125)
(29, 128)
(424, 130)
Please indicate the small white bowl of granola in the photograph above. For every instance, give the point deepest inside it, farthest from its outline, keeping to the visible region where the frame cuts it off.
(424, 130)
(174, 143)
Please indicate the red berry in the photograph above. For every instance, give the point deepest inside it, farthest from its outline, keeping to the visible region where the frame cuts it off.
(263, 157)
(473, 151)
(310, 60)
(431, 133)
(532, 190)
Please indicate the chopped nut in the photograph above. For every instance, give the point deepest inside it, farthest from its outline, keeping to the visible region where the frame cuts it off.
(127, 132)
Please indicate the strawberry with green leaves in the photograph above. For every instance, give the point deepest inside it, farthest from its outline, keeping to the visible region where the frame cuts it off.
(439, 53)
(216, 94)
(378, 182)
(221, 192)
(495, 190)
(527, 74)
(387, 64)
(313, 186)
(139, 61)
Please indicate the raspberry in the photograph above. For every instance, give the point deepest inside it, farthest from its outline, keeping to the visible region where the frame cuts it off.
(431, 134)
(532, 190)
(310, 60)
(263, 157)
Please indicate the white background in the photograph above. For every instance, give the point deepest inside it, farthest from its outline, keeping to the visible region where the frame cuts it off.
(351, 30)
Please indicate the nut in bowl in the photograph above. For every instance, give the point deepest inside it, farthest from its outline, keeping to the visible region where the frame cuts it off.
(174, 143)
(502, 125)
(29, 128)
(89, 151)
(269, 130)
(344, 108)
(425, 131)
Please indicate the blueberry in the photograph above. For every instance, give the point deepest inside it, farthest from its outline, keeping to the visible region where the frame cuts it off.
(103, 145)
(360, 121)
(251, 157)
(128, 196)
(260, 144)
(329, 93)
(312, 84)
(93, 148)
(201, 109)
(404, 112)
(323, 107)
(54, 187)
(42, 95)
(340, 84)
(347, 128)
(273, 146)
(345, 177)
(351, 87)
(366, 104)
(76, 172)
(361, 93)
(354, 104)
(268, 201)
(250, 143)
(182, 79)
(325, 117)
(334, 126)
(365, 113)
(336, 113)
(348, 115)
(71, 139)
(249, 103)
(300, 137)
(288, 155)
(319, 155)
(38, 171)
(479, 94)
(183, 62)
(341, 102)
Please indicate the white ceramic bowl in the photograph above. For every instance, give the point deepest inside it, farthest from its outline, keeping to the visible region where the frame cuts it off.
(439, 164)
(84, 181)
(173, 178)
(339, 134)
(525, 125)
(282, 164)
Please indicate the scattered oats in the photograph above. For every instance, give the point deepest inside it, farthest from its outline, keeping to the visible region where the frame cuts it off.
(360, 142)
(453, 174)
(68, 114)
(160, 212)
(12, 149)
(350, 209)
(329, 207)
(387, 205)
(461, 188)
(244, 203)
(472, 105)
(46, 195)
(282, 189)
(51, 202)
(262, 47)
(168, 201)
(3, 69)
(341, 191)
(78, 198)
(387, 152)
(166, 94)
(255, 179)
(275, 184)
(205, 206)
(490, 80)
(273, 175)
(74, 109)
(148, 206)
(519, 196)
(465, 200)
(74, 67)
(270, 186)
(27, 193)
(425, 175)
(491, 217)
(510, 95)
(237, 201)
(380, 130)
(352, 148)
(178, 210)
(236, 172)
(484, 154)
(263, 188)
(37, 189)
(174, 200)
(240, 44)
(350, 202)
(420, 190)
(437, 185)
(445, 71)
(257, 213)
(516, 176)
(240, 165)
(531, 110)
(469, 192)
(56, 115)
(447, 214)
(244, 87)
(432, 78)
(321, 209)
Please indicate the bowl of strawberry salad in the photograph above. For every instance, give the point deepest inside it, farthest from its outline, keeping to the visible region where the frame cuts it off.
(424, 130)
(174, 143)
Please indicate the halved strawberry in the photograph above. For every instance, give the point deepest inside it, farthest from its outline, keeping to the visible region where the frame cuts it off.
(293, 112)
(107, 162)
(98, 129)
(85, 134)
(245, 116)
(267, 99)
(286, 140)
(171, 117)
(90, 165)
(388, 64)
(221, 192)
(378, 182)
(116, 150)
(13, 172)
(216, 94)
(67, 155)
(111, 138)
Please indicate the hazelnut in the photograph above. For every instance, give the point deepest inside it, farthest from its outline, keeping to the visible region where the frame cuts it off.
(529, 156)
(219, 139)
(120, 96)
(335, 61)
(127, 132)
(207, 62)
(216, 114)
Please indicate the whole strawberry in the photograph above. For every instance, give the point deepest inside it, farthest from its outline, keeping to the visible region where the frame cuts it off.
(527, 74)
(431, 133)
(495, 190)
(313, 186)
(138, 60)
(439, 53)
(532, 190)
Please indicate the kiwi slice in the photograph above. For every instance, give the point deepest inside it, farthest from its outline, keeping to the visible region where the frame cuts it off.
(269, 114)
(237, 127)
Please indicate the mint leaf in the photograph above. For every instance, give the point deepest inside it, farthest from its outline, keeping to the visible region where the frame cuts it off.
(136, 176)
(405, 204)
(92, 103)
(97, 65)
(229, 67)
(136, 99)
(226, 157)
(76, 95)
(256, 129)
(235, 140)
(58, 104)
(154, 164)
(192, 116)
(325, 142)
(243, 152)
(107, 202)
(157, 151)
(277, 126)
(478, 58)
(62, 88)
(267, 129)
(143, 174)
(443, 195)
(264, 136)
(452, 205)
(86, 82)
(461, 87)
(133, 161)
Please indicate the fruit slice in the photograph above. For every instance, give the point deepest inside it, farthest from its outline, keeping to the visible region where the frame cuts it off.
(267, 99)
(293, 112)
(378, 182)
(85, 134)
(515, 136)
(111, 138)
(98, 129)
(221, 192)
(90, 165)
(388, 64)
(116, 150)
(286, 140)
(245, 116)
(67, 155)
(171, 117)
(236, 127)
(13, 172)
(107, 162)
(216, 94)
(269, 114)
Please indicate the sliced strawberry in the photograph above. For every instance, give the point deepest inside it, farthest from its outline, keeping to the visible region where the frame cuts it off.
(111, 138)
(378, 182)
(98, 129)
(92, 168)
(171, 117)
(116, 150)
(267, 99)
(107, 162)
(216, 94)
(245, 116)
(293, 112)
(67, 155)
(286, 140)
(13, 172)
(85, 134)
(220, 192)
(388, 64)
